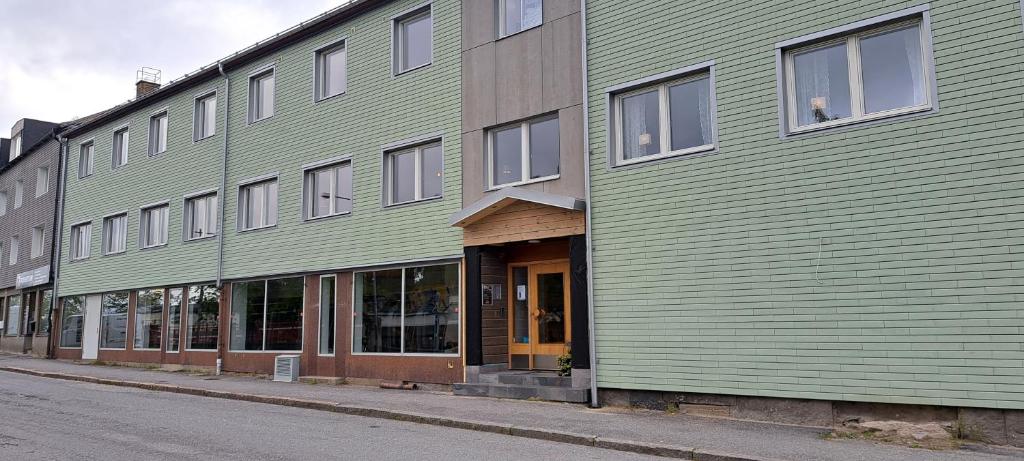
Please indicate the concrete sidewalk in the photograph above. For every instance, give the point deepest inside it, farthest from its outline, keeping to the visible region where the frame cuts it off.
(678, 436)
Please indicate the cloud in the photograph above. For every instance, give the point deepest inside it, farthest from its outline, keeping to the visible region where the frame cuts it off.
(62, 59)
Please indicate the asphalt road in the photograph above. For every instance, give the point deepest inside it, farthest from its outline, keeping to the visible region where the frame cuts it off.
(47, 419)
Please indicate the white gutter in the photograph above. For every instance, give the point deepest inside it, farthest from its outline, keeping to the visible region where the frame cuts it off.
(586, 186)
(223, 177)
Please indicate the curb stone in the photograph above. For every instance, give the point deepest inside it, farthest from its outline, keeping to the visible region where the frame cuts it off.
(666, 451)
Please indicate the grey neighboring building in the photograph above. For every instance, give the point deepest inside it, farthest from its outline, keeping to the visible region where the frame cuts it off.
(29, 178)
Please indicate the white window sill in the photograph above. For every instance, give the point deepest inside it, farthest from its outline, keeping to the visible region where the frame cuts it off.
(523, 183)
(664, 155)
(198, 140)
(200, 239)
(513, 34)
(327, 216)
(328, 98)
(253, 122)
(254, 229)
(409, 354)
(854, 121)
(413, 202)
(406, 71)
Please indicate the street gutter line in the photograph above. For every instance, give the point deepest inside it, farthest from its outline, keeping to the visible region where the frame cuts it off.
(666, 451)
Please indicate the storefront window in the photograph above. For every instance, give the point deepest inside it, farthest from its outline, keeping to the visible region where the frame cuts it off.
(114, 320)
(173, 318)
(45, 309)
(149, 314)
(71, 321)
(267, 315)
(327, 315)
(203, 317)
(13, 315)
(411, 310)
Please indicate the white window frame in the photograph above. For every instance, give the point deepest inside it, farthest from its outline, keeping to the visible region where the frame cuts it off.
(389, 176)
(397, 50)
(851, 34)
(199, 116)
(3, 203)
(266, 297)
(502, 32)
(79, 253)
(524, 154)
(320, 315)
(254, 93)
(144, 224)
(125, 143)
(188, 215)
(89, 162)
(105, 249)
(19, 193)
(38, 242)
(243, 201)
(153, 139)
(309, 201)
(320, 69)
(42, 180)
(16, 146)
(15, 248)
(662, 83)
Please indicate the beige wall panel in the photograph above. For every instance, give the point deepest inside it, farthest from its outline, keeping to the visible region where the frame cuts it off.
(519, 75)
(561, 59)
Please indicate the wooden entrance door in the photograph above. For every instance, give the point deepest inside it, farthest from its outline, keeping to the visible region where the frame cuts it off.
(539, 320)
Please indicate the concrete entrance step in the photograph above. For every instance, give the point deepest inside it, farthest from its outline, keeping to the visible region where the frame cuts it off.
(522, 392)
(526, 378)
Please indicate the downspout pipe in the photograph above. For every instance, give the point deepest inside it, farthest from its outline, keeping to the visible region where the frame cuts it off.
(221, 201)
(586, 186)
(57, 244)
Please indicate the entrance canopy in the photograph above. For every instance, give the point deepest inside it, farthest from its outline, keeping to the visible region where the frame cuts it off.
(504, 198)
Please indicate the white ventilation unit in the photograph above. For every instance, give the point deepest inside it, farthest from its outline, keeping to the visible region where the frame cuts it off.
(286, 368)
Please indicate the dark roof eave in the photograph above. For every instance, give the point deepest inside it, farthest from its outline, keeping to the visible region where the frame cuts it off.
(275, 43)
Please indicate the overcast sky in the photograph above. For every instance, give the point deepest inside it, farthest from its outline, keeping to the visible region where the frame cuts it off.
(61, 59)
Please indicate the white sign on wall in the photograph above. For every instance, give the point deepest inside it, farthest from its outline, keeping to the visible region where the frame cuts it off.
(33, 278)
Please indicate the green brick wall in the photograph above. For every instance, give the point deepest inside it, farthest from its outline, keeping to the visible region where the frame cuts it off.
(707, 275)
(378, 109)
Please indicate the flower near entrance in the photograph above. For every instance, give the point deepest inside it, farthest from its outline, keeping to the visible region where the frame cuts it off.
(565, 361)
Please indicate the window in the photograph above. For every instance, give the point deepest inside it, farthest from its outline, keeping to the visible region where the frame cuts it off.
(15, 147)
(266, 315)
(261, 96)
(37, 242)
(45, 311)
(518, 15)
(71, 321)
(19, 192)
(114, 320)
(523, 152)
(119, 155)
(158, 133)
(862, 76)
(85, 160)
(329, 190)
(331, 73)
(412, 39)
(200, 217)
(13, 315)
(149, 315)
(115, 234)
(173, 319)
(15, 249)
(257, 205)
(81, 240)
(414, 174)
(203, 317)
(327, 324)
(205, 123)
(3, 203)
(411, 310)
(666, 119)
(42, 180)
(153, 227)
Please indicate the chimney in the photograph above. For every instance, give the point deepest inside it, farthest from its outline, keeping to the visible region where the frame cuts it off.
(147, 80)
